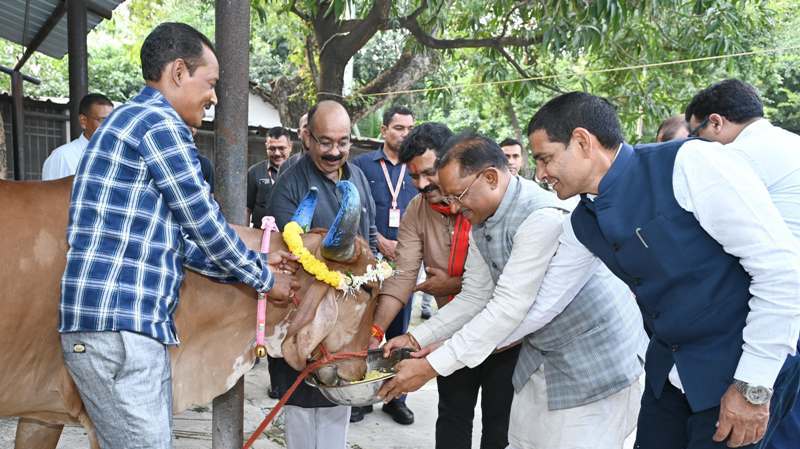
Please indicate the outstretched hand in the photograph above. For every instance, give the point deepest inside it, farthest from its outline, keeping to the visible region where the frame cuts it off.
(283, 290)
(283, 261)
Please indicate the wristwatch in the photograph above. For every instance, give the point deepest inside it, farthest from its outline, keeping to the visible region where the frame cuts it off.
(754, 394)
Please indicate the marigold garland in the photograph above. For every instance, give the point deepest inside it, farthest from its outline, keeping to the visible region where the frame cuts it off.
(346, 282)
(312, 265)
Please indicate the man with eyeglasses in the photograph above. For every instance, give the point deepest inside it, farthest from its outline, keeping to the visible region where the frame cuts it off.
(261, 177)
(311, 420)
(576, 378)
(715, 270)
(63, 161)
(730, 112)
(392, 190)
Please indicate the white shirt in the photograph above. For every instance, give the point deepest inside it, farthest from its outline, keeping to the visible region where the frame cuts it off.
(733, 206)
(64, 160)
(484, 314)
(774, 154)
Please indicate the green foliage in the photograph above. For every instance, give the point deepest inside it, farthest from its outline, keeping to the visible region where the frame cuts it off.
(574, 44)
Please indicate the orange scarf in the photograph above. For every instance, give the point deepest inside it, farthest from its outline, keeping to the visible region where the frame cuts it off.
(459, 246)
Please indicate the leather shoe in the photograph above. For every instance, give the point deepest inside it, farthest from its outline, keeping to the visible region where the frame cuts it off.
(357, 413)
(399, 412)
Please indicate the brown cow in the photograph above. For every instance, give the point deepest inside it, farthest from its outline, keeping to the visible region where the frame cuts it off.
(215, 322)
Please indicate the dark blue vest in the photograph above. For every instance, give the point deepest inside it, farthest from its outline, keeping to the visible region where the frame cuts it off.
(693, 295)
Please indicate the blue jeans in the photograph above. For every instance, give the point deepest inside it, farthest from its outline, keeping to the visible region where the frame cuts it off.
(125, 382)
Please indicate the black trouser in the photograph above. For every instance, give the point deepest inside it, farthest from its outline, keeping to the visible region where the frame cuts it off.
(668, 422)
(458, 394)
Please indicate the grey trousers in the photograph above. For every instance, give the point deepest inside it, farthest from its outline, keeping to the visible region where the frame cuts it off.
(125, 382)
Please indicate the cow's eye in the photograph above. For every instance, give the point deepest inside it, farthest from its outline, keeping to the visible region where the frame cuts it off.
(367, 289)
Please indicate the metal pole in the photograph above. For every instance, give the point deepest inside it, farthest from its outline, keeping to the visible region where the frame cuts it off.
(230, 157)
(78, 65)
(15, 161)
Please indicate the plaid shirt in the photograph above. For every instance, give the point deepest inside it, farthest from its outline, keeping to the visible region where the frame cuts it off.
(139, 211)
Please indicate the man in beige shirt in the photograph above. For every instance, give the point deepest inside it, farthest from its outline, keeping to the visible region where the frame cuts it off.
(429, 233)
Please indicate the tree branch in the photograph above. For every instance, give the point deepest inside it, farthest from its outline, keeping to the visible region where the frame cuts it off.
(413, 26)
(293, 8)
(312, 64)
(407, 70)
(512, 61)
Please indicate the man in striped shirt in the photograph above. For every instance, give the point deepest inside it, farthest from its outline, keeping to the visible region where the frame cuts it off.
(139, 212)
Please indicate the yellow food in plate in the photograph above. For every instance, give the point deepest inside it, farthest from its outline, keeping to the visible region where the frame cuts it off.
(375, 374)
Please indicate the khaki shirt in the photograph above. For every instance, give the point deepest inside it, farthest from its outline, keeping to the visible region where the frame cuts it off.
(424, 236)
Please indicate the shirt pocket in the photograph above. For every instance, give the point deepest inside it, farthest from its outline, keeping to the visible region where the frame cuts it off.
(653, 251)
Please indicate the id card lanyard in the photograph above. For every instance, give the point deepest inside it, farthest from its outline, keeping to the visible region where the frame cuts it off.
(394, 212)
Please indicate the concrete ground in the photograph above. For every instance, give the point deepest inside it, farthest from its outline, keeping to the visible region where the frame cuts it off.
(376, 431)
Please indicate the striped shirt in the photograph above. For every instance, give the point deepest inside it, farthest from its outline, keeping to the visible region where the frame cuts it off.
(139, 212)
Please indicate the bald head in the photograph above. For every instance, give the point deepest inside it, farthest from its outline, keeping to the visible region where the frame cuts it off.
(329, 132)
(326, 113)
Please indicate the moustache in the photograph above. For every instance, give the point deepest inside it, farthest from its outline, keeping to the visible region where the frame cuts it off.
(428, 189)
(331, 158)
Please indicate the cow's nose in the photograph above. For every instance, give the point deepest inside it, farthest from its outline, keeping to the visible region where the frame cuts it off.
(328, 375)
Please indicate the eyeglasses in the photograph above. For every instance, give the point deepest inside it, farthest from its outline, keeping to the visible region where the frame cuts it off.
(450, 199)
(343, 144)
(694, 132)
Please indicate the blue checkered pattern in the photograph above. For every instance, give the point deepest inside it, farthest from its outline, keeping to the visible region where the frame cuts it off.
(139, 212)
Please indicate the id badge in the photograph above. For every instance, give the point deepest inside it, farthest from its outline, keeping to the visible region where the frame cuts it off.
(394, 218)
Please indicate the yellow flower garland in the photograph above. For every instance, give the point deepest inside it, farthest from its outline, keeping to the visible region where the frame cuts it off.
(312, 265)
(348, 283)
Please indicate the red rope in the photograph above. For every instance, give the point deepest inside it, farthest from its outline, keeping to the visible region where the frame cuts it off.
(328, 358)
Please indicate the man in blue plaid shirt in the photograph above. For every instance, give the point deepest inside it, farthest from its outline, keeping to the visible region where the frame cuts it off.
(140, 210)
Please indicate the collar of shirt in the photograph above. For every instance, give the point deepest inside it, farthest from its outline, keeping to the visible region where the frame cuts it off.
(758, 125)
(311, 166)
(619, 163)
(380, 154)
(505, 204)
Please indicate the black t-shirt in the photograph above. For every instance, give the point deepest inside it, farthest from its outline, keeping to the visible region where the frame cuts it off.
(260, 179)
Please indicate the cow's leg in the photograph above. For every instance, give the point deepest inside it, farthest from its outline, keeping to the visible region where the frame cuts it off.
(33, 434)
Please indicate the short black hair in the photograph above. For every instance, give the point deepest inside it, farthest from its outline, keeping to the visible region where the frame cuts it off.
(392, 111)
(733, 99)
(473, 152)
(561, 115)
(276, 132)
(509, 141)
(670, 127)
(427, 136)
(170, 41)
(89, 100)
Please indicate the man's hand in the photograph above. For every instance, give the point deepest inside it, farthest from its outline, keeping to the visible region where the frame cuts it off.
(439, 283)
(387, 247)
(283, 261)
(411, 375)
(426, 350)
(283, 289)
(741, 422)
(401, 341)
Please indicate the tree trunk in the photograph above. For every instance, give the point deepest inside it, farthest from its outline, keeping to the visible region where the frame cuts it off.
(526, 169)
(3, 156)
(288, 99)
